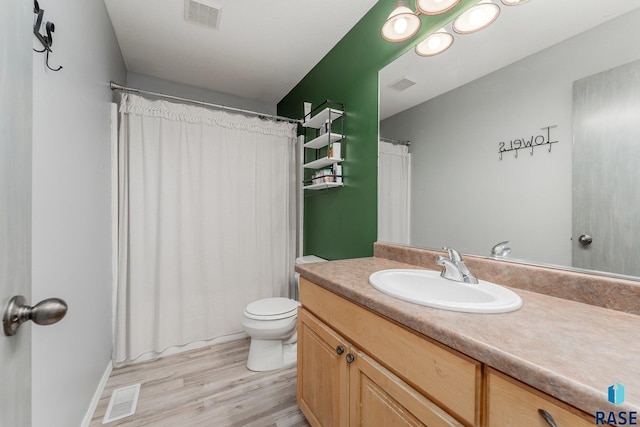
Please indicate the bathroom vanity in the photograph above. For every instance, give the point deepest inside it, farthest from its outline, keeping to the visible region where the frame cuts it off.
(365, 358)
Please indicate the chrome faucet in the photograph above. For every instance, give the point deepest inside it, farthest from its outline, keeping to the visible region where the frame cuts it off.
(454, 268)
(501, 250)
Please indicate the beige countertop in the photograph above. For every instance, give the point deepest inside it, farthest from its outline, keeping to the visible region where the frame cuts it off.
(570, 350)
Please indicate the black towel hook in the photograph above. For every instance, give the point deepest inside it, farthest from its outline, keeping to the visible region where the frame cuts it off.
(45, 40)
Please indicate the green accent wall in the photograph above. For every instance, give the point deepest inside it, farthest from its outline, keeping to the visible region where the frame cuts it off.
(341, 222)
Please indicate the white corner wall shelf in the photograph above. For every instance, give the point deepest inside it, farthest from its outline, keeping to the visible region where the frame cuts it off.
(323, 140)
(323, 147)
(323, 185)
(321, 118)
(322, 162)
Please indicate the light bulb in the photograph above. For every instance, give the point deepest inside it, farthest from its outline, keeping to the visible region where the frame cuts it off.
(477, 17)
(435, 43)
(400, 26)
(436, 7)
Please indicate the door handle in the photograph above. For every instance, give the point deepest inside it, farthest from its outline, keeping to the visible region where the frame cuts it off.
(585, 240)
(17, 311)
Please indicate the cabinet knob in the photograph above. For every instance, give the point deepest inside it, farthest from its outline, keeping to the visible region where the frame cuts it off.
(339, 349)
(350, 358)
(547, 417)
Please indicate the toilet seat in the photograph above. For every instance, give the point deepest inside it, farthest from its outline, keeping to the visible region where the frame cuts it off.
(272, 309)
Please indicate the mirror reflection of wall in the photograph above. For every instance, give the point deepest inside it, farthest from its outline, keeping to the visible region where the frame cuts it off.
(462, 195)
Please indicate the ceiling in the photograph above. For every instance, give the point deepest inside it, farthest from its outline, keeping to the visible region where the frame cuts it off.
(519, 31)
(261, 50)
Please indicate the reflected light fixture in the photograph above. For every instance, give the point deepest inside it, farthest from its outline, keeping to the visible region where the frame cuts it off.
(436, 43)
(436, 7)
(476, 18)
(401, 25)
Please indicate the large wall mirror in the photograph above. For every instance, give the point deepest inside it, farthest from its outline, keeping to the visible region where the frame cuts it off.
(527, 131)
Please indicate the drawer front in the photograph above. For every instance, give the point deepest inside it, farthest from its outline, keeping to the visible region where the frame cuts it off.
(446, 377)
(511, 403)
(379, 398)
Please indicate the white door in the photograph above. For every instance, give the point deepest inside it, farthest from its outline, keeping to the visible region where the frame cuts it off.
(606, 176)
(15, 203)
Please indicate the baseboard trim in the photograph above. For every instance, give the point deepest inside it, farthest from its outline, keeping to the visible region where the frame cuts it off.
(96, 396)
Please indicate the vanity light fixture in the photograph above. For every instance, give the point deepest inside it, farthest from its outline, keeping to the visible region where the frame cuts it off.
(436, 43)
(436, 7)
(476, 18)
(401, 25)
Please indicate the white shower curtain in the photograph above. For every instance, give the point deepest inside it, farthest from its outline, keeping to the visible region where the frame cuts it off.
(394, 170)
(206, 222)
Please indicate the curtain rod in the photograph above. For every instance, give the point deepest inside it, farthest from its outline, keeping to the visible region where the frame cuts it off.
(395, 141)
(116, 86)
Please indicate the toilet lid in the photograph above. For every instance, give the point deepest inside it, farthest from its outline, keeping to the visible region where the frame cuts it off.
(271, 308)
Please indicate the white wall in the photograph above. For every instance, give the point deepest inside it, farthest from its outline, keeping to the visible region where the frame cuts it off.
(462, 194)
(140, 81)
(71, 208)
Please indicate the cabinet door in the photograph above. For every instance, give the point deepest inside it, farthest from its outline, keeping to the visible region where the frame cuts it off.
(323, 373)
(379, 398)
(511, 403)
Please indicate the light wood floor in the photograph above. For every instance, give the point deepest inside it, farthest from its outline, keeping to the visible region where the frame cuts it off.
(208, 387)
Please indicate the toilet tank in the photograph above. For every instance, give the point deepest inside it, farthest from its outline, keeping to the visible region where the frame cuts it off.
(307, 259)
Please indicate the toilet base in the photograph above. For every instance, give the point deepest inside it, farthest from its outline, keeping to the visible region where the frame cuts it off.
(269, 355)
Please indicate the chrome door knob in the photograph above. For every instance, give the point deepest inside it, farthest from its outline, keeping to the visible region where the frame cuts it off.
(585, 240)
(46, 312)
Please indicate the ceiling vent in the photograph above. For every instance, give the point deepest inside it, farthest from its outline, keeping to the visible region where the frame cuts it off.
(203, 12)
(402, 84)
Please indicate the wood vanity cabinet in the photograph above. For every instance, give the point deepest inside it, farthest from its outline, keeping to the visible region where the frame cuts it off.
(358, 368)
(411, 381)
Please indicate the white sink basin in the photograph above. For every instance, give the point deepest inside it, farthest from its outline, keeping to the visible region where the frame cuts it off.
(428, 288)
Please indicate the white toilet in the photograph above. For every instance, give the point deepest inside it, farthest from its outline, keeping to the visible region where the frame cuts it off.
(272, 325)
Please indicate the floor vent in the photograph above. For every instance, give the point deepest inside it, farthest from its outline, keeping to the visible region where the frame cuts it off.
(203, 12)
(402, 84)
(122, 404)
